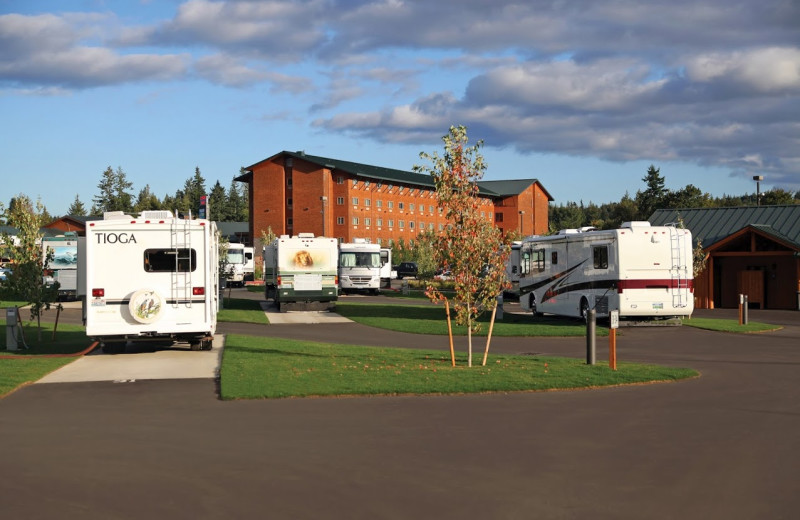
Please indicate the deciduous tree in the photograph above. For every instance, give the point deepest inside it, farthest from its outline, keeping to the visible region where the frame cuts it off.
(470, 246)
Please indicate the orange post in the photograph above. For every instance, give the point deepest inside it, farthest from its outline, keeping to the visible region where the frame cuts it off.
(612, 349)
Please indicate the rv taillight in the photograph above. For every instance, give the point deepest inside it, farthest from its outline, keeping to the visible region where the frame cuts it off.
(279, 280)
(198, 291)
(98, 293)
(336, 280)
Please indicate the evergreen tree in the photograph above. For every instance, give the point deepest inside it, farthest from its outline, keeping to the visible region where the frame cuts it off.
(236, 204)
(77, 208)
(193, 189)
(652, 198)
(146, 201)
(114, 194)
(218, 203)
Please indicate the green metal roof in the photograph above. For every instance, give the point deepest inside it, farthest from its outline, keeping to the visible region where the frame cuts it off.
(711, 225)
(367, 171)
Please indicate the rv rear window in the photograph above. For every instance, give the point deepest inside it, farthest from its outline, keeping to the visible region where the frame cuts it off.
(600, 254)
(170, 260)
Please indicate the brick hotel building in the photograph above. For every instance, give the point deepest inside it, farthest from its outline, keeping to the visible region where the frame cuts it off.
(292, 192)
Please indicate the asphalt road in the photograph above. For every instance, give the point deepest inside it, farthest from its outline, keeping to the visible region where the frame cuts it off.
(724, 445)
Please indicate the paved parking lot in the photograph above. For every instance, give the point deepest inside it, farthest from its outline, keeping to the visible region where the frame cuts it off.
(724, 445)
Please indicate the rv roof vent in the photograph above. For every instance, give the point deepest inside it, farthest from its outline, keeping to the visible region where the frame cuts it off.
(567, 231)
(284, 236)
(635, 224)
(305, 235)
(156, 215)
(361, 241)
(109, 215)
(587, 228)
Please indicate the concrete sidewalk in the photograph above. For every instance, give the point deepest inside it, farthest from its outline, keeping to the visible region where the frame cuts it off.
(177, 362)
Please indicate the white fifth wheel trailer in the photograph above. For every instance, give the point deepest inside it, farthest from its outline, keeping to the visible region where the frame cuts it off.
(360, 266)
(639, 270)
(152, 277)
(300, 272)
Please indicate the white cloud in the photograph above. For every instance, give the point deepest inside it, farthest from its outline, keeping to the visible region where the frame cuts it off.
(765, 70)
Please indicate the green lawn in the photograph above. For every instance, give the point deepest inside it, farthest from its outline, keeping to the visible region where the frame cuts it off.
(19, 367)
(432, 319)
(255, 368)
(721, 325)
(242, 310)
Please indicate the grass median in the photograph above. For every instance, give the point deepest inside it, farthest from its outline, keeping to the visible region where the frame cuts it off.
(431, 319)
(254, 368)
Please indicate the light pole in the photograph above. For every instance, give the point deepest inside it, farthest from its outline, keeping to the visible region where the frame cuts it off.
(758, 179)
(521, 223)
(324, 200)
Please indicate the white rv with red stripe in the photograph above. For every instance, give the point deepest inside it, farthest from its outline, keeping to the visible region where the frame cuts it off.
(640, 270)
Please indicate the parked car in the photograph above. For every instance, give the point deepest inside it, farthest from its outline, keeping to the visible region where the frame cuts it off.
(442, 275)
(406, 269)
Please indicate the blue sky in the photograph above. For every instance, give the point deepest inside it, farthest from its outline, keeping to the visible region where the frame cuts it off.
(583, 95)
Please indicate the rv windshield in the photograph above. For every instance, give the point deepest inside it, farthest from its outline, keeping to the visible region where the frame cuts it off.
(170, 260)
(235, 256)
(360, 259)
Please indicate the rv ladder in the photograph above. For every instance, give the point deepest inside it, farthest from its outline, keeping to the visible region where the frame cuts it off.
(181, 238)
(680, 282)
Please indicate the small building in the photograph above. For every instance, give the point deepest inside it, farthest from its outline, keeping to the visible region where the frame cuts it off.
(752, 250)
(293, 192)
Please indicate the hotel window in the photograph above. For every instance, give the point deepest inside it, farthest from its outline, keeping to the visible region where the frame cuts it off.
(391, 222)
(367, 221)
(289, 181)
(430, 226)
(289, 202)
(400, 205)
(430, 210)
(498, 217)
(340, 201)
(441, 227)
(339, 180)
(355, 221)
(380, 222)
(379, 184)
(355, 201)
(391, 204)
(411, 207)
(340, 221)
(367, 202)
(366, 184)
(379, 203)
(411, 191)
(401, 224)
(410, 224)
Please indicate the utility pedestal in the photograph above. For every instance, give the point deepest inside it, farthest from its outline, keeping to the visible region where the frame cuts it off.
(12, 328)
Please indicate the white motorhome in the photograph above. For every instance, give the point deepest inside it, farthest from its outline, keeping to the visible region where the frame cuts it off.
(300, 272)
(360, 266)
(239, 264)
(151, 277)
(640, 270)
(513, 269)
(386, 268)
(63, 264)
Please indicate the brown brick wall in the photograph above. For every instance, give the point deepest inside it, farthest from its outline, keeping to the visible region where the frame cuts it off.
(379, 220)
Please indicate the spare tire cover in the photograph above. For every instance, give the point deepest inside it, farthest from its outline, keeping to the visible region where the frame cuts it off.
(146, 306)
